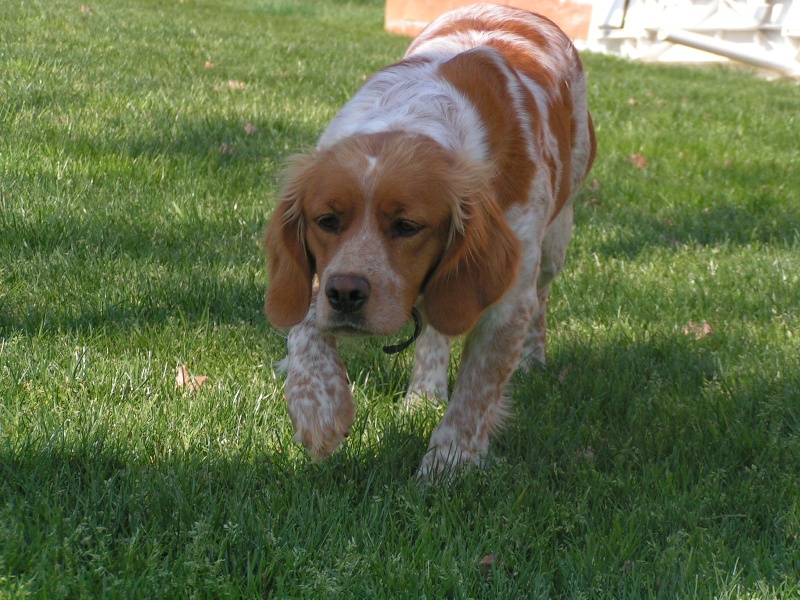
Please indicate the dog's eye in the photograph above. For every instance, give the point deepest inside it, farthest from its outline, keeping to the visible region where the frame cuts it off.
(406, 228)
(328, 222)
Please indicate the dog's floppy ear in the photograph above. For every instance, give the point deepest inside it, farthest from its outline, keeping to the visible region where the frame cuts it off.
(290, 268)
(477, 269)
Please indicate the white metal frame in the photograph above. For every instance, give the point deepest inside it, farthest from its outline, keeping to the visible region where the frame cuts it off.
(763, 33)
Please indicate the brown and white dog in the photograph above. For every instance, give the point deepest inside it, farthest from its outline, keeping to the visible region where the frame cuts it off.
(445, 184)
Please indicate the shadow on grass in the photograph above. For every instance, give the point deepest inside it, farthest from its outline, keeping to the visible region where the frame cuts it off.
(639, 406)
(716, 225)
(736, 212)
(645, 427)
(152, 300)
(666, 399)
(129, 249)
(214, 143)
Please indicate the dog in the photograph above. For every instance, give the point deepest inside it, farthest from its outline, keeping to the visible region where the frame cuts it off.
(443, 192)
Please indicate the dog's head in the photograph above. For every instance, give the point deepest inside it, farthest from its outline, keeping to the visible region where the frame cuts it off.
(381, 219)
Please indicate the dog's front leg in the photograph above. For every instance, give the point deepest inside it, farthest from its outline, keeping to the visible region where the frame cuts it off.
(477, 405)
(317, 392)
(429, 375)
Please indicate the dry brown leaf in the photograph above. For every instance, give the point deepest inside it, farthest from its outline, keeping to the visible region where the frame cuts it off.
(250, 129)
(638, 160)
(633, 101)
(209, 64)
(698, 330)
(86, 9)
(183, 376)
(485, 564)
(184, 379)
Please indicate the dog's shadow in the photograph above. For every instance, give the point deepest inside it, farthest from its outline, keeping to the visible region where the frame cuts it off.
(589, 401)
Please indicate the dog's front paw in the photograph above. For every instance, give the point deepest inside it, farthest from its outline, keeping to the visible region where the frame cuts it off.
(321, 420)
(317, 392)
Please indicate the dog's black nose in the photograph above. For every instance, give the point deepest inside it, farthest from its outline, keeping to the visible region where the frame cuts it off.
(347, 293)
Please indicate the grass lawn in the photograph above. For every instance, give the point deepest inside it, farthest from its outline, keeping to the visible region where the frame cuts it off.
(658, 454)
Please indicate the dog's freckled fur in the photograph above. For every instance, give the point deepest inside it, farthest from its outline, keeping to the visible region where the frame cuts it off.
(446, 183)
